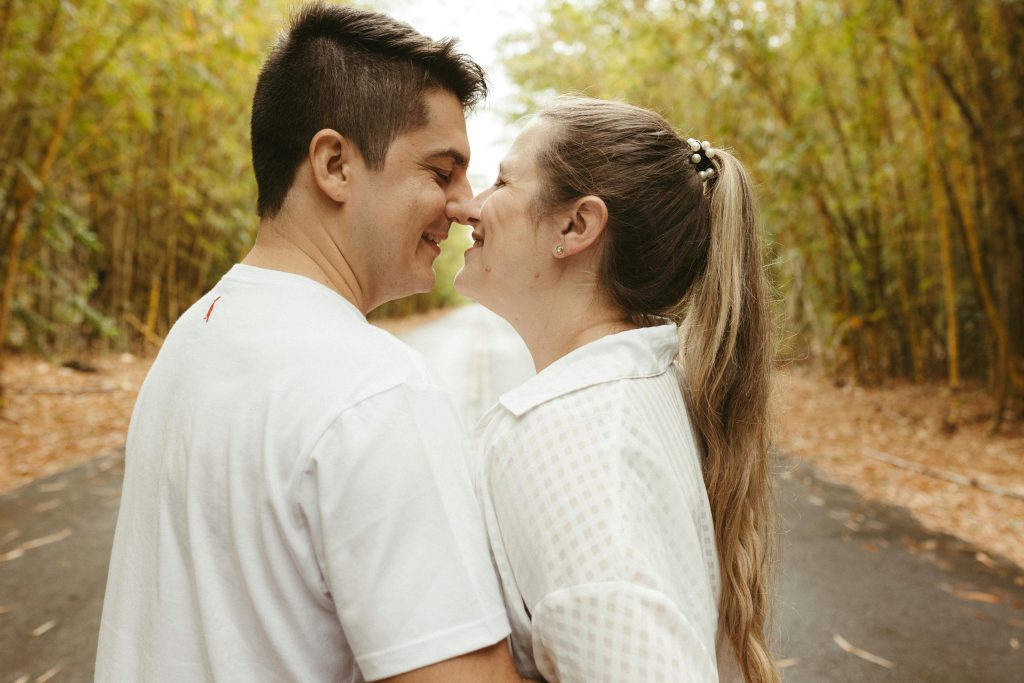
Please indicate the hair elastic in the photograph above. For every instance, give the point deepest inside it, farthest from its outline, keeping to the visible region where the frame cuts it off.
(702, 154)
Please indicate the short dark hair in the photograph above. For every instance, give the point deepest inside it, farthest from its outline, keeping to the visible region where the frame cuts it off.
(360, 73)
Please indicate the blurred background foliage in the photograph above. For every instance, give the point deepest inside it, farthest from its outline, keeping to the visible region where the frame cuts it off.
(125, 188)
(885, 136)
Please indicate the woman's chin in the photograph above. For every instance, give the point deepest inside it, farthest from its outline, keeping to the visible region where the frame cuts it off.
(468, 285)
(464, 284)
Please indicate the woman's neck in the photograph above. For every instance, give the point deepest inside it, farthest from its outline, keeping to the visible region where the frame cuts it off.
(561, 329)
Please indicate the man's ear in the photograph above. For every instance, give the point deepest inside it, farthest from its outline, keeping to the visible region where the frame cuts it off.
(588, 219)
(333, 159)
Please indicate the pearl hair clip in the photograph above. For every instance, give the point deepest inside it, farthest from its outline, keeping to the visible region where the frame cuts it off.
(703, 152)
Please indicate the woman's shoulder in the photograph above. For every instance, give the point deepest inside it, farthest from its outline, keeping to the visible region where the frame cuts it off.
(573, 416)
(606, 410)
(580, 430)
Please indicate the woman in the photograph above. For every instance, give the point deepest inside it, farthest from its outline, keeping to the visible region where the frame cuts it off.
(626, 486)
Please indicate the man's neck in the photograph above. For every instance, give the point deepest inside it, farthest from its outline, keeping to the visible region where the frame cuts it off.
(282, 244)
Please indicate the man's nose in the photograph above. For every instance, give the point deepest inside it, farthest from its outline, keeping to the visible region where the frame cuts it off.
(462, 207)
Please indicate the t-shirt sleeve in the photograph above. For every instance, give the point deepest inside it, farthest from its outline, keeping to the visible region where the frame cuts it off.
(584, 534)
(399, 535)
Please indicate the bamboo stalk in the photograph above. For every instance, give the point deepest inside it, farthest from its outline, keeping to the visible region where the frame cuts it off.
(941, 215)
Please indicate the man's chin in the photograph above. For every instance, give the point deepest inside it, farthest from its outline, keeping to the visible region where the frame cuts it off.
(423, 284)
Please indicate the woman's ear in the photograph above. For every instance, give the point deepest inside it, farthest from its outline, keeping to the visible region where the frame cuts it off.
(332, 158)
(588, 219)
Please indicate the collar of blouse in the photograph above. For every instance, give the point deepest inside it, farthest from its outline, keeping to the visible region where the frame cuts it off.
(642, 352)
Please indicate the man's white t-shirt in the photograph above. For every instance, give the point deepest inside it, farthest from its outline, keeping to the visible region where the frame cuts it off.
(296, 503)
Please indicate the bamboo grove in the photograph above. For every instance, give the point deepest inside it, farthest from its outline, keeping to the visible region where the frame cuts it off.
(887, 141)
(885, 136)
(125, 183)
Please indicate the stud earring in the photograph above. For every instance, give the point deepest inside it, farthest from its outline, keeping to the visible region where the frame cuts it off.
(559, 250)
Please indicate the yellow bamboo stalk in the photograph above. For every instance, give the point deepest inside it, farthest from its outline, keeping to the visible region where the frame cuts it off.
(984, 291)
(154, 302)
(940, 209)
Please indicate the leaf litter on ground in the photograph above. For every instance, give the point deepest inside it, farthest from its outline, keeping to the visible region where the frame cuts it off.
(833, 427)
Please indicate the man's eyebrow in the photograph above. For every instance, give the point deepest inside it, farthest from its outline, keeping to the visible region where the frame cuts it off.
(457, 157)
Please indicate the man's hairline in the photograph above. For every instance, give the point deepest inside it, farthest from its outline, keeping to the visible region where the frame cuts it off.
(461, 160)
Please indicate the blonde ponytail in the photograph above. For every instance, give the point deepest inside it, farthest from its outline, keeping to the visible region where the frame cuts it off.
(727, 356)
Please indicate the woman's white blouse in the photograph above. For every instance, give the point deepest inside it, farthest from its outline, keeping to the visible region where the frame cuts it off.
(591, 487)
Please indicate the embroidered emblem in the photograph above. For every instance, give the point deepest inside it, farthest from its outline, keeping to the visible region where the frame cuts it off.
(206, 318)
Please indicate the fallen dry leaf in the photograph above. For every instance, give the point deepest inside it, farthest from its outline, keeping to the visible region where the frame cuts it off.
(11, 555)
(976, 596)
(43, 628)
(863, 654)
(46, 540)
(22, 679)
(984, 559)
(786, 663)
(1014, 643)
(49, 673)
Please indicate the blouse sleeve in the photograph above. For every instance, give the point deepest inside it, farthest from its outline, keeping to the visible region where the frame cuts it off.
(616, 631)
(584, 524)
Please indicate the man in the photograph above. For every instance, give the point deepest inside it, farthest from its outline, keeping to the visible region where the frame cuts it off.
(296, 505)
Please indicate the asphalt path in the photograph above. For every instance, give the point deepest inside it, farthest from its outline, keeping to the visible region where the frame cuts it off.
(865, 593)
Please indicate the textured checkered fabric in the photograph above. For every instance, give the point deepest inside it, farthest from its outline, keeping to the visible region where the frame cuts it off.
(598, 518)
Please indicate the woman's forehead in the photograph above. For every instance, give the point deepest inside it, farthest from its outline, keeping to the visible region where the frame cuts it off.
(526, 146)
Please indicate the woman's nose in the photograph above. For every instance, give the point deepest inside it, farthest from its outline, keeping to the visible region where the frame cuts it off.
(465, 209)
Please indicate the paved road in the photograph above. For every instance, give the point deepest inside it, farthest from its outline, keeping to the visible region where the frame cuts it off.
(864, 572)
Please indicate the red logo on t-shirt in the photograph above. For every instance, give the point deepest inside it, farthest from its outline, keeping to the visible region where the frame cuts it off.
(206, 318)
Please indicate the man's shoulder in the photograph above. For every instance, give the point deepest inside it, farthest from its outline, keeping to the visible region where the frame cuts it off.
(369, 346)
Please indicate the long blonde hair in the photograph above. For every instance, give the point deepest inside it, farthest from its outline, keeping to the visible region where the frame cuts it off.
(686, 248)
